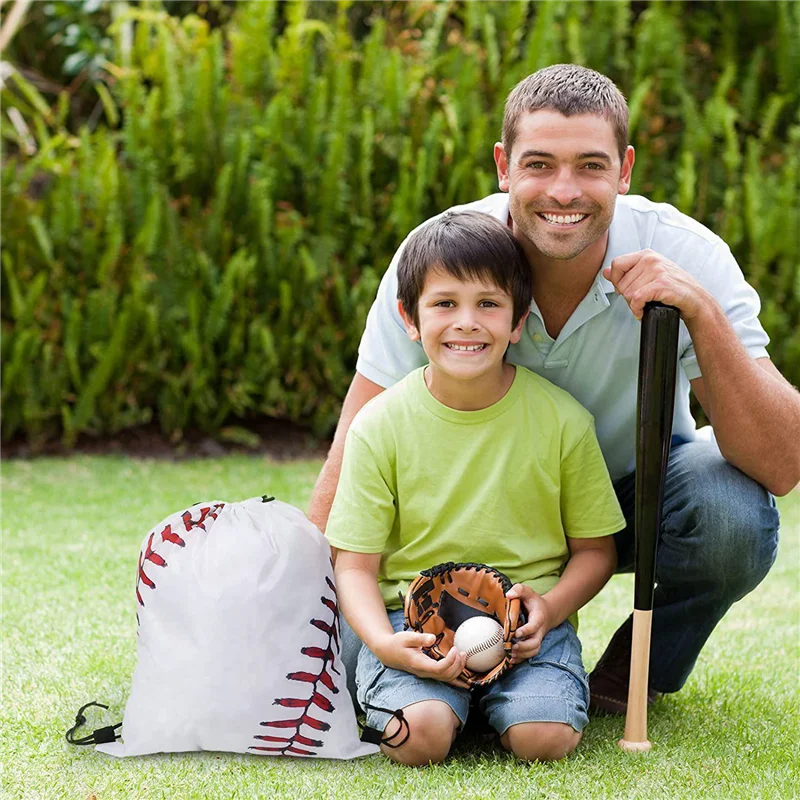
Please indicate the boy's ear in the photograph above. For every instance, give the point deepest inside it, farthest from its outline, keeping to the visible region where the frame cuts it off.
(411, 328)
(516, 334)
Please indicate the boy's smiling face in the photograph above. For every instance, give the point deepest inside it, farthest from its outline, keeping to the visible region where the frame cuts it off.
(464, 326)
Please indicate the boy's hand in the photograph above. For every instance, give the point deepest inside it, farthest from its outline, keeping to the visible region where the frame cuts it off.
(529, 636)
(403, 651)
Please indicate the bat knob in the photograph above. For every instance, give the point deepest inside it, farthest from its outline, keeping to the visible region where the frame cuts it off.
(634, 747)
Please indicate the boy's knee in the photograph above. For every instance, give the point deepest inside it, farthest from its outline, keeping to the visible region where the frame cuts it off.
(432, 728)
(541, 741)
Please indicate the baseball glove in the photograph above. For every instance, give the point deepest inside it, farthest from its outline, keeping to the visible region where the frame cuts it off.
(442, 597)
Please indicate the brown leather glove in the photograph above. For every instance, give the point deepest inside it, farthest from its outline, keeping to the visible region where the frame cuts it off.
(444, 596)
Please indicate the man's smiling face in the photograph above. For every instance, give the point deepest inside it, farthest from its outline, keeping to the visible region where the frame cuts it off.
(563, 177)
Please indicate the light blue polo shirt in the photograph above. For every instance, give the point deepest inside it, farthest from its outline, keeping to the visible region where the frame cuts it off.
(596, 356)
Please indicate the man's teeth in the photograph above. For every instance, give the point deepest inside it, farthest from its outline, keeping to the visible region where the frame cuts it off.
(564, 220)
(465, 346)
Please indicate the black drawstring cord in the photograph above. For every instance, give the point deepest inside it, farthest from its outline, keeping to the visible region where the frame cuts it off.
(100, 736)
(374, 736)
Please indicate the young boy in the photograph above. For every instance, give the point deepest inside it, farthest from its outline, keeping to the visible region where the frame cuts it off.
(472, 459)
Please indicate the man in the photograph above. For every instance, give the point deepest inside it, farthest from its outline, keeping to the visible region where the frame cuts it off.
(597, 256)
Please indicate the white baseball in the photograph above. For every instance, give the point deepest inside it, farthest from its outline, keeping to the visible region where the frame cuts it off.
(481, 638)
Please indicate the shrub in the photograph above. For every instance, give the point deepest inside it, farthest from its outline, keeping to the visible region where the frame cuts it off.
(210, 251)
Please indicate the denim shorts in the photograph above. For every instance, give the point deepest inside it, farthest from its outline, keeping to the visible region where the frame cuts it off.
(550, 687)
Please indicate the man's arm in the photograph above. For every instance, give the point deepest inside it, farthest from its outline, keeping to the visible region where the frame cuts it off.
(755, 412)
(360, 392)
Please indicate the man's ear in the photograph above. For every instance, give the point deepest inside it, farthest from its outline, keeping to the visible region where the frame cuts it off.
(516, 334)
(411, 328)
(502, 167)
(626, 172)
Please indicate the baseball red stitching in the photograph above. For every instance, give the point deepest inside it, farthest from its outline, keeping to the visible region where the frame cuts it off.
(287, 745)
(149, 554)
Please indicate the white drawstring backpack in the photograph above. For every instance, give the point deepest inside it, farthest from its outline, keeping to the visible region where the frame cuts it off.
(238, 639)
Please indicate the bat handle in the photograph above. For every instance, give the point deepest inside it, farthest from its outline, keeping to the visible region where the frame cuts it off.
(635, 739)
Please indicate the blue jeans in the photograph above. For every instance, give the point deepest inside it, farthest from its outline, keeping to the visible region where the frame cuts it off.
(719, 538)
(550, 687)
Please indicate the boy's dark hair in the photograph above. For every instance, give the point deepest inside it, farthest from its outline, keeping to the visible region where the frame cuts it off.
(468, 245)
(569, 89)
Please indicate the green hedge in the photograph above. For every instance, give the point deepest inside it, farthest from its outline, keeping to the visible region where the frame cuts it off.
(210, 251)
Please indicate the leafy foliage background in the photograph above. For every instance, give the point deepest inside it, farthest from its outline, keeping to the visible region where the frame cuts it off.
(198, 200)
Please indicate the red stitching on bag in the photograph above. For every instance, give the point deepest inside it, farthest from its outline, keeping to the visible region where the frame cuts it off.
(168, 535)
(211, 511)
(286, 745)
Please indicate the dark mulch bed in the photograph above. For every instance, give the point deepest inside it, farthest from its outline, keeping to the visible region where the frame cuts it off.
(280, 440)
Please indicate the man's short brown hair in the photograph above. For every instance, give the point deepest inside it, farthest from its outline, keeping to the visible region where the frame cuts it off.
(569, 89)
(468, 245)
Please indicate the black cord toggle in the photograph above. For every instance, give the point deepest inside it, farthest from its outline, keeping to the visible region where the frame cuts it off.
(374, 736)
(100, 736)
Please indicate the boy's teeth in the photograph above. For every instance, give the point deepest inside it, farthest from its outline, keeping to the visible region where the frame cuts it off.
(466, 346)
(564, 220)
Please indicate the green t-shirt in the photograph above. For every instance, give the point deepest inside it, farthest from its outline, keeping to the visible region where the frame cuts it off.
(423, 483)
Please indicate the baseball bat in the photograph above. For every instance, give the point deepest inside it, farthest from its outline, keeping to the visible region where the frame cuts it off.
(658, 357)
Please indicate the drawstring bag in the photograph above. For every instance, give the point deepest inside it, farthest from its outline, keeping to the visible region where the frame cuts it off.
(238, 639)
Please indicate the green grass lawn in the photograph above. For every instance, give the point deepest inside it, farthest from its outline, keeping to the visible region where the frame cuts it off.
(71, 533)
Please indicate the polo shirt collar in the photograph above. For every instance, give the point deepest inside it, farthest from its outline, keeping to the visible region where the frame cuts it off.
(622, 239)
